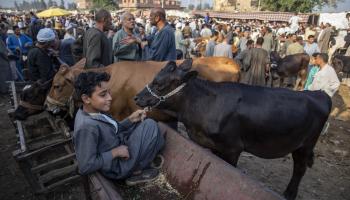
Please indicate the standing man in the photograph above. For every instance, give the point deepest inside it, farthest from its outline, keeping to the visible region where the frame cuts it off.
(326, 78)
(294, 23)
(40, 63)
(257, 59)
(310, 46)
(324, 37)
(223, 49)
(5, 74)
(126, 45)
(268, 39)
(97, 48)
(296, 47)
(162, 44)
(207, 18)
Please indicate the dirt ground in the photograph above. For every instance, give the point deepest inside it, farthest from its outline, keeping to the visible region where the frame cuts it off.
(328, 179)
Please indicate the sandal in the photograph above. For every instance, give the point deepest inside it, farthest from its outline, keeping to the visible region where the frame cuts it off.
(146, 176)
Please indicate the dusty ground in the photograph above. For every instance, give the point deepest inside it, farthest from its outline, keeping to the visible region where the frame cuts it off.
(329, 179)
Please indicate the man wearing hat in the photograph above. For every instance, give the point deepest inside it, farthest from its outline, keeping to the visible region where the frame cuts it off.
(40, 64)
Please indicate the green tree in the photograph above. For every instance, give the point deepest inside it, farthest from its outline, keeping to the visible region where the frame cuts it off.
(190, 6)
(294, 5)
(16, 5)
(62, 4)
(206, 6)
(49, 3)
(43, 4)
(108, 4)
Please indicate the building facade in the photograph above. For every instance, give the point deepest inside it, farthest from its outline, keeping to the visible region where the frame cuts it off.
(167, 4)
(235, 5)
(84, 4)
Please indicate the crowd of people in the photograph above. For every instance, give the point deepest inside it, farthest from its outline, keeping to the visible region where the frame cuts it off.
(34, 49)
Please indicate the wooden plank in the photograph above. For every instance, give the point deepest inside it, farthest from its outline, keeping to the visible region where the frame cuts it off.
(53, 163)
(42, 144)
(63, 182)
(42, 150)
(57, 173)
(48, 136)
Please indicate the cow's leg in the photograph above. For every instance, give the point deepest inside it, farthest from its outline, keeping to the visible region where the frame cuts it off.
(301, 157)
(281, 82)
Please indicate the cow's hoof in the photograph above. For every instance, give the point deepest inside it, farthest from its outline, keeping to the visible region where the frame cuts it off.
(290, 195)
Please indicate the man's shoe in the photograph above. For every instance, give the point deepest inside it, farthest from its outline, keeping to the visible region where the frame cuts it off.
(146, 176)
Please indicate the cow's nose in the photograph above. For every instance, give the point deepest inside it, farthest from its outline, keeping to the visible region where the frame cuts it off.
(136, 98)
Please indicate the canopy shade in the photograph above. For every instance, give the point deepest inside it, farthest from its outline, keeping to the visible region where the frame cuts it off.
(53, 12)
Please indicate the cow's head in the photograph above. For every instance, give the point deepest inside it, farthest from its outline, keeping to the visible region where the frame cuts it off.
(274, 59)
(60, 97)
(32, 99)
(337, 64)
(61, 92)
(167, 83)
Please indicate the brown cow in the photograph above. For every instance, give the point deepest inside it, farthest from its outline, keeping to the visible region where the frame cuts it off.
(128, 78)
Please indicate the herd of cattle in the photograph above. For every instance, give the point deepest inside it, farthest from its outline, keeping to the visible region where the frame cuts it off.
(218, 112)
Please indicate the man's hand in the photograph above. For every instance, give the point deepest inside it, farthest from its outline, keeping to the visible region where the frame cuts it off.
(130, 40)
(137, 116)
(121, 152)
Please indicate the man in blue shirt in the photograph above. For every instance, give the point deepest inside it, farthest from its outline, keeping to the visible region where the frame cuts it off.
(161, 46)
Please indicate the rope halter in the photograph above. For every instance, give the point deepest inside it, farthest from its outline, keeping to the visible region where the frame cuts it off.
(164, 97)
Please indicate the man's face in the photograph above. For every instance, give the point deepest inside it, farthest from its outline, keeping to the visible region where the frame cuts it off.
(313, 60)
(141, 30)
(17, 31)
(311, 40)
(294, 38)
(107, 24)
(129, 22)
(153, 18)
(100, 99)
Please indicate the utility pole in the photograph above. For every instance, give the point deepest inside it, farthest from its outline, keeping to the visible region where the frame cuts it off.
(259, 5)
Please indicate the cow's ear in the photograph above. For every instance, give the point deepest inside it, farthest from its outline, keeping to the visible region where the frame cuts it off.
(186, 65)
(170, 66)
(189, 75)
(63, 69)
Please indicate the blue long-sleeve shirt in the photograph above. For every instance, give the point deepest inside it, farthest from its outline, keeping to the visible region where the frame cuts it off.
(13, 42)
(162, 45)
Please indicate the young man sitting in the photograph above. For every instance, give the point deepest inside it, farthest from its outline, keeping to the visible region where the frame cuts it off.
(119, 150)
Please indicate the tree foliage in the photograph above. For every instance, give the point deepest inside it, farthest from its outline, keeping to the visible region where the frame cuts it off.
(108, 4)
(294, 5)
(62, 4)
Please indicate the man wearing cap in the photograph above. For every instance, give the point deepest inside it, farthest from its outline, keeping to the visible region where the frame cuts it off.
(97, 48)
(40, 64)
(66, 43)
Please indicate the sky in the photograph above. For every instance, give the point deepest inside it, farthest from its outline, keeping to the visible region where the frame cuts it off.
(342, 6)
(8, 3)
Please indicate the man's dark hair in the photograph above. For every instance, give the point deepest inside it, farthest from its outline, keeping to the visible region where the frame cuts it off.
(250, 42)
(311, 36)
(299, 38)
(324, 57)
(260, 41)
(15, 27)
(160, 12)
(102, 14)
(86, 82)
(215, 33)
(315, 55)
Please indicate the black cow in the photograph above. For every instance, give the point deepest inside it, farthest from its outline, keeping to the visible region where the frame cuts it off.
(230, 118)
(32, 99)
(341, 64)
(290, 66)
